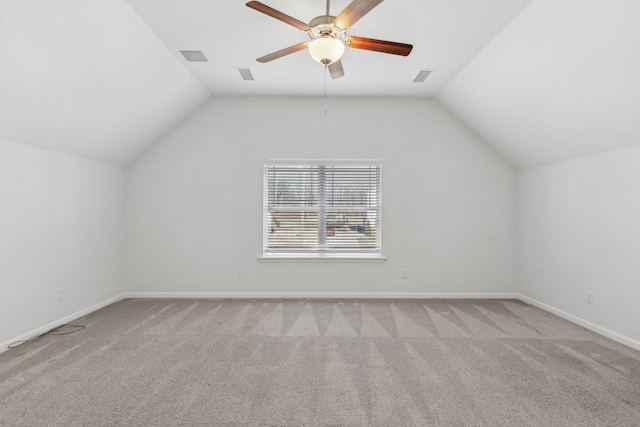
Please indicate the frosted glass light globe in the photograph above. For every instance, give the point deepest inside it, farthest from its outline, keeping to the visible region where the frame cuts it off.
(326, 50)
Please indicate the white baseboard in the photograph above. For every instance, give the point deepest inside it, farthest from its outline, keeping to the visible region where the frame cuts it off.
(318, 295)
(255, 295)
(329, 295)
(584, 323)
(63, 321)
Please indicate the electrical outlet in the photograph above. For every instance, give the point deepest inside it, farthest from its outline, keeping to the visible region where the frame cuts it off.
(238, 274)
(405, 273)
(60, 294)
(590, 297)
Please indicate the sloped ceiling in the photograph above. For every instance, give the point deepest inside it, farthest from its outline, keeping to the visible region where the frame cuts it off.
(88, 78)
(446, 35)
(104, 79)
(561, 81)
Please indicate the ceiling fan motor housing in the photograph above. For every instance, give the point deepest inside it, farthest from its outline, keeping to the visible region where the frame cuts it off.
(322, 26)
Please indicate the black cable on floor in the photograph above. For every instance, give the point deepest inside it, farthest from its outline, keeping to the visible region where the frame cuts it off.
(49, 332)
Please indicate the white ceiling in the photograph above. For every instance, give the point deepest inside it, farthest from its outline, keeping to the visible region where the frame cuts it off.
(561, 81)
(446, 35)
(88, 78)
(104, 79)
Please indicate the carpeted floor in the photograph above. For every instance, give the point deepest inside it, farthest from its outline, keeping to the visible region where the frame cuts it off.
(321, 363)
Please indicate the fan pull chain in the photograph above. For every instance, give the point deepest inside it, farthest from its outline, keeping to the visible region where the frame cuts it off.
(326, 71)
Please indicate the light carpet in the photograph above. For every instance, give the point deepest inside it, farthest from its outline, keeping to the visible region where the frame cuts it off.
(149, 362)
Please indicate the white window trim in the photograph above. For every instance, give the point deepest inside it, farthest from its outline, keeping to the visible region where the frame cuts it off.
(323, 256)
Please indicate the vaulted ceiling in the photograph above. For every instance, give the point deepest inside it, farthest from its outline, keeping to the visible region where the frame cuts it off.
(446, 35)
(88, 78)
(540, 80)
(561, 81)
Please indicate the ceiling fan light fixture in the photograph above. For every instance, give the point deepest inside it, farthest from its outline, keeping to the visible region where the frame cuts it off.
(326, 50)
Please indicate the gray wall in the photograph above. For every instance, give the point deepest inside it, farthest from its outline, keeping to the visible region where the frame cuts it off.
(578, 231)
(194, 201)
(61, 226)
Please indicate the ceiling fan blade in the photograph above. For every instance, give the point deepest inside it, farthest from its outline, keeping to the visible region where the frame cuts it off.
(379, 45)
(260, 7)
(286, 51)
(356, 10)
(336, 70)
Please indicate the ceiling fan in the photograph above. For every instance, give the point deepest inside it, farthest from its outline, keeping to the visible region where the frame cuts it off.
(329, 37)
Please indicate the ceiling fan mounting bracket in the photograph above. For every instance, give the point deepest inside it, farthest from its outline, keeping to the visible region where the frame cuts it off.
(322, 19)
(322, 27)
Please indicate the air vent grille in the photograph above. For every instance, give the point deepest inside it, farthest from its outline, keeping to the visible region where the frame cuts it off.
(422, 76)
(194, 56)
(245, 73)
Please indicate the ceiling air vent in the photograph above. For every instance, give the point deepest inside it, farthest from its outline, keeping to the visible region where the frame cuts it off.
(245, 73)
(194, 56)
(422, 76)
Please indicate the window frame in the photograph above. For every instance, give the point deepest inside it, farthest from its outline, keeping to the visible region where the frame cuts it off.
(318, 253)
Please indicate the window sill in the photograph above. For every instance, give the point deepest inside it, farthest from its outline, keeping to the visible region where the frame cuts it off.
(322, 258)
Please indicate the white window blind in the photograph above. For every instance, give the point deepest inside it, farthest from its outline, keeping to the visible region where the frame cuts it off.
(322, 207)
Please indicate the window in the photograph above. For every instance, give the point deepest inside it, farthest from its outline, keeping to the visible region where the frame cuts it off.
(322, 208)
